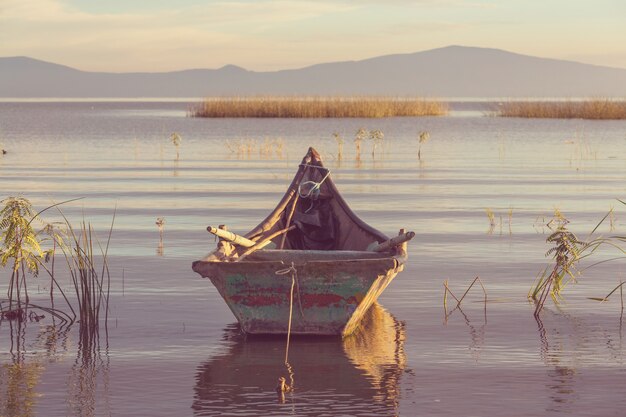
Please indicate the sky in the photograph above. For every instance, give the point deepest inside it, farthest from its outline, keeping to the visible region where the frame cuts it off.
(266, 35)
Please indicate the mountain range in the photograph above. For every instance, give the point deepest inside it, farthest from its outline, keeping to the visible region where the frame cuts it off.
(453, 71)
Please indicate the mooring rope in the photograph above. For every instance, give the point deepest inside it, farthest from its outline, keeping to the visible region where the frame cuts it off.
(294, 273)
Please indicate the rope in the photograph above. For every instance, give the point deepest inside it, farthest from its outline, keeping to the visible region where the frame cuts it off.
(314, 192)
(294, 273)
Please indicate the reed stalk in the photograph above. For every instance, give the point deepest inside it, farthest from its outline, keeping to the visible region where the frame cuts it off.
(80, 248)
(340, 142)
(361, 134)
(317, 107)
(377, 138)
(160, 223)
(421, 139)
(91, 284)
(567, 252)
(447, 291)
(176, 139)
(598, 109)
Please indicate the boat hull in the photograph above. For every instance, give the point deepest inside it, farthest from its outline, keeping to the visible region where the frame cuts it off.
(329, 297)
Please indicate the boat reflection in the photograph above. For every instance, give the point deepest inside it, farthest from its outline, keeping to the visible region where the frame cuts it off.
(357, 376)
(378, 349)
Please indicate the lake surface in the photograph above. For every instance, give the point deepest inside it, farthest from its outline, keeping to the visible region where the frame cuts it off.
(173, 347)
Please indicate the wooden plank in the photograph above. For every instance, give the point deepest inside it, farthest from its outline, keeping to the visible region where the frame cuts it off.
(231, 237)
(395, 241)
(263, 243)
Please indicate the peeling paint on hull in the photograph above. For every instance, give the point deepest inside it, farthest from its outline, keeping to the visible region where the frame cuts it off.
(330, 297)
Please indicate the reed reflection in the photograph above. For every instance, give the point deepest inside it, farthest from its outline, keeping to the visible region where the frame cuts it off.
(477, 334)
(88, 382)
(32, 347)
(357, 376)
(555, 353)
(20, 377)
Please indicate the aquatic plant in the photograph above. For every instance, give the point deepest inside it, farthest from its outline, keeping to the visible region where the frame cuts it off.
(339, 141)
(510, 220)
(421, 138)
(271, 147)
(242, 147)
(491, 217)
(377, 138)
(21, 248)
(267, 149)
(91, 283)
(586, 109)
(606, 297)
(361, 134)
(176, 140)
(160, 223)
(317, 107)
(447, 291)
(567, 252)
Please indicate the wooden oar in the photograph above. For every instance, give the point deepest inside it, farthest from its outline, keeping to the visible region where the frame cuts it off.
(394, 241)
(264, 242)
(231, 237)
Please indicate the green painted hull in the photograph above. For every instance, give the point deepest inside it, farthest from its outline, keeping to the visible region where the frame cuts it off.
(329, 296)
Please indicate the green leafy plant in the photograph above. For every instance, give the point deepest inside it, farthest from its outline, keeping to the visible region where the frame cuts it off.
(566, 253)
(21, 248)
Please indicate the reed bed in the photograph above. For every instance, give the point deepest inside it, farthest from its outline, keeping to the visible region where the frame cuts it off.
(598, 109)
(317, 107)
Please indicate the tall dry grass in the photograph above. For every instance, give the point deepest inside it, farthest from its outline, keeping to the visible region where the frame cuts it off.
(317, 107)
(600, 109)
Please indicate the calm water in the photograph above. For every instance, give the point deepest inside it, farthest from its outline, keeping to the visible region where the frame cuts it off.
(173, 348)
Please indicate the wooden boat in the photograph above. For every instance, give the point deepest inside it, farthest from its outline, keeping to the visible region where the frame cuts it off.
(311, 267)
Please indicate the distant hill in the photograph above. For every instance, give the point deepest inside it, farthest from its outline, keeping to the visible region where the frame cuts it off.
(453, 71)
